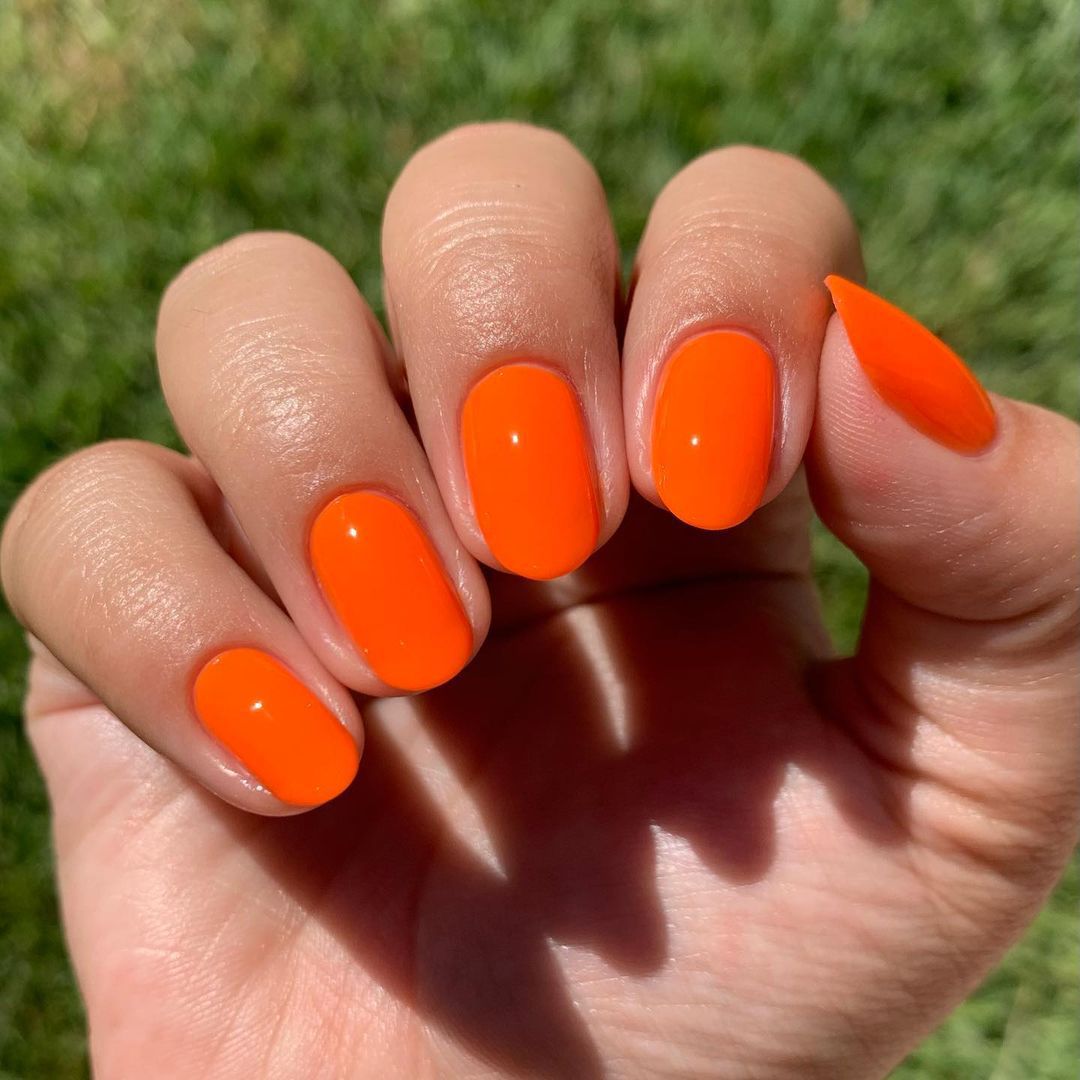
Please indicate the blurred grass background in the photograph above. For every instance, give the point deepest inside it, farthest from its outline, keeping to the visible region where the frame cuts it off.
(135, 133)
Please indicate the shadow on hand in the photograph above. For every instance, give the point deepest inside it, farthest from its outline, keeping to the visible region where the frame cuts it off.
(575, 738)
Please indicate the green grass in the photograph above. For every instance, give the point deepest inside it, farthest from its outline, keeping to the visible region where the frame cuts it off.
(134, 134)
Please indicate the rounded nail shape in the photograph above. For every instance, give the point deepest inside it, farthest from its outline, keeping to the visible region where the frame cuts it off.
(712, 431)
(278, 729)
(384, 580)
(530, 470)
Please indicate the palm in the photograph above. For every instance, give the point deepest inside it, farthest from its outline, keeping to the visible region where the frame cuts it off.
(622, 807)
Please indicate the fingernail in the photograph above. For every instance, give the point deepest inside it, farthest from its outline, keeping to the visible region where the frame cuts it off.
(913, 370)
(530, 470)
(278, 729)
(386, 583)
(713, 428)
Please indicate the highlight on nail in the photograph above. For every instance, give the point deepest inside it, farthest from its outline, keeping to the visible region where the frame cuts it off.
(385, 582)
(530, 469)
(712, 430)
(277, 728)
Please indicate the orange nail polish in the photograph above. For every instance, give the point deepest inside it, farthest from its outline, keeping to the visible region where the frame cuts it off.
(530, 470)
(386, 583)
(712, 430)
(281, 732)
(913, 370)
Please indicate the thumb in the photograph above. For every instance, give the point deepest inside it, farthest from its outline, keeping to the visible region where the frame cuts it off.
(965, 509)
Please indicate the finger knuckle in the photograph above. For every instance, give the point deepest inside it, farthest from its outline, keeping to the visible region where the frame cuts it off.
(493, 264)
(757, 194)
(492, 225)
(274, 398)
(239, 253)
(212, 283)
(504, 303)
(254, 350)
(484, 254)
(75, 501)
(462, 143)
(767, 167)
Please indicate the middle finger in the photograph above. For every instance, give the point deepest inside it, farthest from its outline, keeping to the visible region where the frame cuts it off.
(501, 281)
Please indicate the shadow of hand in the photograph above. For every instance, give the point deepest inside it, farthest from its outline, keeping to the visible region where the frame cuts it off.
(556, 814)
(653, 830)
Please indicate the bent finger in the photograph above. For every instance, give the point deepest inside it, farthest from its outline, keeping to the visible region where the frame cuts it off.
(725, 328)
(501, 277)
(273, 367)
(110, 560)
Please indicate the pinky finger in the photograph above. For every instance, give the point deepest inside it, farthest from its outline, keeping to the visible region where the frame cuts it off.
(110, 560)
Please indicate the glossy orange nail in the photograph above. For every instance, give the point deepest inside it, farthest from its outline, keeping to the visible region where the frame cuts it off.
(913, 370)
(713, 428)
(386, 583)
(530, 470)
(280, 731)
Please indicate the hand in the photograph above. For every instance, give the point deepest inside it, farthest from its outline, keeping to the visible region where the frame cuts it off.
(652, 829)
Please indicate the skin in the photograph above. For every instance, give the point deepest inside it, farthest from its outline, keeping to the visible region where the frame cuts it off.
(655, 828)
